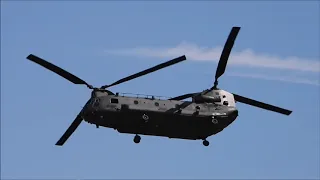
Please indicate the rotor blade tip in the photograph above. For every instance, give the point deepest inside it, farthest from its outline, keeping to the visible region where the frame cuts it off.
(59, 143)
(183, 57)
(30, 56)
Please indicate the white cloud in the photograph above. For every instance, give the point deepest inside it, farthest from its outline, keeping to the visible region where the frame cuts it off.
(244, 58)
(289, 79)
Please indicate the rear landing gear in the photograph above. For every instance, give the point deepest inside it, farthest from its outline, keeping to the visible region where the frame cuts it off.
(136, 139)
(205, 143)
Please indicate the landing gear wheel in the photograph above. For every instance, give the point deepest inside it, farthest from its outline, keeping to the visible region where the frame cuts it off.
(137, 139)
(214, 121)
(205, 143)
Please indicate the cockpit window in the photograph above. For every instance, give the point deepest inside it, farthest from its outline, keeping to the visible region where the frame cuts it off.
(216, 99)
(114, 100)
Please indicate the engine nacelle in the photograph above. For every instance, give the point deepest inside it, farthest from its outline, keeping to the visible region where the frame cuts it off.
(206, 98)
(217, 96)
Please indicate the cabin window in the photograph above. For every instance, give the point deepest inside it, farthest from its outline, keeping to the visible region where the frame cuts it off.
(225, 103)
(136, 102)
(156, 104)
(217, 93)
(114, 100)
(224, 96)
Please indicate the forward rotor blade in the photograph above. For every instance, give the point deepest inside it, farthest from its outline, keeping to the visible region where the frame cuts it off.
(185, 96)
(147, 71)
(63, 73)
(262, 105)
(69, 131)
(226, 51)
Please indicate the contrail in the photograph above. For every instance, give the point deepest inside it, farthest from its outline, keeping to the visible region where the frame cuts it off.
(243, 58)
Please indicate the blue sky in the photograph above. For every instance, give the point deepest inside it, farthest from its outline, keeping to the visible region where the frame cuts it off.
(275, 59)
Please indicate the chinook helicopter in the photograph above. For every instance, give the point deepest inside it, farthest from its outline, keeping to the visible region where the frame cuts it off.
(209, 112)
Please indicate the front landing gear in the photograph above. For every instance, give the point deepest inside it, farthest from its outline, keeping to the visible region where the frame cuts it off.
(136, 139)
(205, 143)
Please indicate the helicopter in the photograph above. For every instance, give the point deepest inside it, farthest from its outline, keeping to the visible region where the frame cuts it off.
(208, 113)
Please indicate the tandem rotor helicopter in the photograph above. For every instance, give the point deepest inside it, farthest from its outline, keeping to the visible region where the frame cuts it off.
(209, 112)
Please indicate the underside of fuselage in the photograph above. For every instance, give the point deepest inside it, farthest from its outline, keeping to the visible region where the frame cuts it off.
(173, 119)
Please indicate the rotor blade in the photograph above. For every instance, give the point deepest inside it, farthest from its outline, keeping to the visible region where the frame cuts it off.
(57, 70)
(185, 96)
(226, 51)
(155, 68)
(262, 105)
(69, 131)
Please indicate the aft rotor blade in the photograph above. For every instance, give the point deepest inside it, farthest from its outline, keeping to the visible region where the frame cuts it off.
(262, 105)
(185, 96)
(147, 71)
(69, 131)
(63, 73)
(226, 51)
